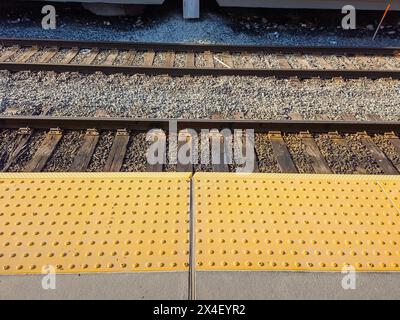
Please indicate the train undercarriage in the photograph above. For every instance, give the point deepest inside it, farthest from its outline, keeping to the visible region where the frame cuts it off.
(191, 8)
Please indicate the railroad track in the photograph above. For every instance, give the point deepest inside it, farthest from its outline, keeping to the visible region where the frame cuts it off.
(199, 59)
(37, 143)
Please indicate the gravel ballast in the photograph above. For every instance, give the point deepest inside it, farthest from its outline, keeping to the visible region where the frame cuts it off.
(265, 154)
(72, 94)
(7, 138)
(364, 158)
(102, 151)
(65, 152)
(297, 150)
(389, 150)
(33, 145)
(339, 157)
(135, 157)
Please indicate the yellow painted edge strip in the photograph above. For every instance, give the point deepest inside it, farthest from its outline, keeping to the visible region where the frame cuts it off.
(296, 176)
(198, 175)
(96, 175)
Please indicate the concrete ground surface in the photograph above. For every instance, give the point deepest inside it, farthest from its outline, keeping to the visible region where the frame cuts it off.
(135, 286)
(294, 285)
(210, 285)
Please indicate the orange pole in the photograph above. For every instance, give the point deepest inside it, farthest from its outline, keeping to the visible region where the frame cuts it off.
(383, 18)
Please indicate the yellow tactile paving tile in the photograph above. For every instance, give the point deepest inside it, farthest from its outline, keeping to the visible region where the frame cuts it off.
(296, 222)
(116, 222)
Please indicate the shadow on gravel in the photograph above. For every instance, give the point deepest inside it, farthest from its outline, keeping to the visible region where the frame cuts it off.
(217, 25)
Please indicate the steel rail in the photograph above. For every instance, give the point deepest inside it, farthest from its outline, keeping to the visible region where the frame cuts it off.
(122, 45)
(259, 126)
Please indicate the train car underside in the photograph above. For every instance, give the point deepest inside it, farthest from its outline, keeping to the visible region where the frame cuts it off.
(310, 4)
(191, 8)
(115, 7)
